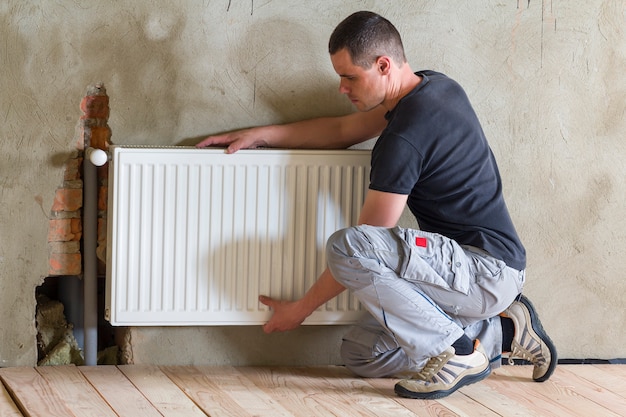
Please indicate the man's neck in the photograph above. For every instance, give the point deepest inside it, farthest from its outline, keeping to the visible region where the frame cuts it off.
(407, 80)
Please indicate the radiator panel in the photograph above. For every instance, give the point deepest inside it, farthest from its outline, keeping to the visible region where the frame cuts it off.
(195, 235)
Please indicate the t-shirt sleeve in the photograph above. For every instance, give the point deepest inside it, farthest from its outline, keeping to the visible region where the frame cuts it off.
(396, 165)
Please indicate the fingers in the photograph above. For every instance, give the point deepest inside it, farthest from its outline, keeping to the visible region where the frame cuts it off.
(266, 300)
(267, 327)
(234, 147)
(233, 144)
(234, 141)
(273, 325)
(214, 140)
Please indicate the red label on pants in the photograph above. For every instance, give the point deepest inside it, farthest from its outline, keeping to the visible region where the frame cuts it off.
(421, 242)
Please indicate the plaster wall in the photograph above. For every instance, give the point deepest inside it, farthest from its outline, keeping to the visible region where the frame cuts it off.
(546, 79)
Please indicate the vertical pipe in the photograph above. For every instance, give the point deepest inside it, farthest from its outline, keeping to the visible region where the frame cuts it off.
(93, 158)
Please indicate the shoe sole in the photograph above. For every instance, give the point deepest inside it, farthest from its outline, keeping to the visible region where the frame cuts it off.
(538, 329)
(466, 380)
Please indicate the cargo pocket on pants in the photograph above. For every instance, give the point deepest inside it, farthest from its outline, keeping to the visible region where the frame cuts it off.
(433, 259)
(484, 266)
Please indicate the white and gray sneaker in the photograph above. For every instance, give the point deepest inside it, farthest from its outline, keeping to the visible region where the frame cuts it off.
(530, 342)
(444, 374)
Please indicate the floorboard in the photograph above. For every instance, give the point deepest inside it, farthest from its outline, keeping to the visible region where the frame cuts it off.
(78, 394)
(611, 377)
(121, 395)
(33, 394)
(8, 408)
(161, 391)
(197, 391)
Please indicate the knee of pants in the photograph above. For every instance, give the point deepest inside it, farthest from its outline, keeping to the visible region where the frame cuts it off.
(340, 250)
(365, 363)
(339, 242)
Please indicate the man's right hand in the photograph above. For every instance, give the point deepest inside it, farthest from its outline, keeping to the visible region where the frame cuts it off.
(286, 315)
(339, 132)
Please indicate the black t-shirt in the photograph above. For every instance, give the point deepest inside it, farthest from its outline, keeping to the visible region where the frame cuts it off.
(434, 150)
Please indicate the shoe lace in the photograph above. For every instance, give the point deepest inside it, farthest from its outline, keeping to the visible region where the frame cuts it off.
(522, 353)
(432, 367)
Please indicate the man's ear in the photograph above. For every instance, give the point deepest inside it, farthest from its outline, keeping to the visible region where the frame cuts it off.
(383, 64)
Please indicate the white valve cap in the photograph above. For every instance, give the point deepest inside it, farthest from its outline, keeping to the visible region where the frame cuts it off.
(98, 157)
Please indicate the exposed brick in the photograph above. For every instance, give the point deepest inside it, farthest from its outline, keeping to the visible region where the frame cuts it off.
(102, 197)
(64, 230)
(103, 173)
(95, 107)
(80, 137)
(102, 229)
(78, 184)
(68, 199)
(77, 228)
(101, 249)
(100, 136)
(64, 247)
(101, 253)
(58, 230)
(65, 264)
(65, 215)
(72, 169)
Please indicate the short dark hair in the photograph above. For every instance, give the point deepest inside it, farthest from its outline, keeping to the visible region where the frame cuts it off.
(367, 36)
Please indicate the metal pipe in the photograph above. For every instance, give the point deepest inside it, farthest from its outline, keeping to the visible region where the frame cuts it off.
(93, 158)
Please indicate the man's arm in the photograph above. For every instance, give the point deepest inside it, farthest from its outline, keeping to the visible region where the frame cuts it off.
(379, 209)
(321, 133)
(382, 209)
(288, 315)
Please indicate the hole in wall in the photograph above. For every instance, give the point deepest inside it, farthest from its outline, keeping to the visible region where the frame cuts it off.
(59, 321)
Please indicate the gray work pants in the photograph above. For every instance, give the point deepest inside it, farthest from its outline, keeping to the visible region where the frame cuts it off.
(422, 291)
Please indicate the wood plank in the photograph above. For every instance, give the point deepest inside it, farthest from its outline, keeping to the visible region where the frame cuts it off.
(463, 405)
(618, 369)
(425, 408)
(221, 391)
(246, 376)
(556, 396)
(33, 394)
(511, 396)
(457, 404)
(79, 395)
(611, 377)
(8, 408)
(118, 391)
(324, 391)
(320, 391)
(594, 393)
(164, 394)
(386, 399)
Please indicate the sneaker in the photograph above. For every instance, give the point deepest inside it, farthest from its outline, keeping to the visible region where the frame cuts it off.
(531, 343)
(445, 373)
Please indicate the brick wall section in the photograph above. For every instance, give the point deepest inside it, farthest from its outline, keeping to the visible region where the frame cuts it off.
(65, 228)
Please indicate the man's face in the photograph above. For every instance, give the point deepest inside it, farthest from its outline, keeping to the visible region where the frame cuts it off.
(363, 86)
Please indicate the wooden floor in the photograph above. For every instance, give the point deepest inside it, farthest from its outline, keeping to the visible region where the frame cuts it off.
(136, 391)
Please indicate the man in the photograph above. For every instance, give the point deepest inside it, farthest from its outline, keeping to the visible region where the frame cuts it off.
(432, 293)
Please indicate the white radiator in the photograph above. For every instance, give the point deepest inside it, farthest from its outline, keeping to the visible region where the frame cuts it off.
(195, 235)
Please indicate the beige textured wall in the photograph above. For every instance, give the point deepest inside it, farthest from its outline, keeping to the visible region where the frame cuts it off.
(546, 78)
